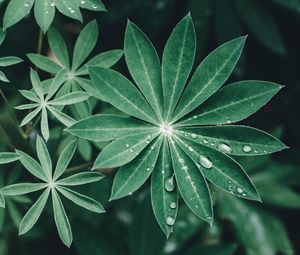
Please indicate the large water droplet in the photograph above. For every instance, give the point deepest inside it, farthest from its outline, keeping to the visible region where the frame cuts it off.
(170, 221)
(172, 205)
(170, 184)
(247, 148)
(224, 147)
(205, 162)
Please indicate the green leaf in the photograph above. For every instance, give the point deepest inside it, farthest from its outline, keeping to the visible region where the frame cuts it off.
(26, 106)
(63, 118)
(44, 12)
(92, 5)
(8, 157)
(15, 11)
(44, 63)
(123, 150)
(56, 83)
(30, 116)
(61, 220)
(81, 200)
(144, 66)
(220, 169)
(44, 157)
(32, 216)
(132, 176)
(22, 188)
(36, 84)
(177, 62)
(85, 43)
(103, 127)
(261, 23)
(232, 103)
(80, 179)
(59, 47)
(32, 166)
(3, 77)
(235, 140)
(71, 98)
(2, 35)
(30, 95)
(210, 76)
(9, 61)
(2, 205)
(126, 98)
(64, 159)
(191, 184)
(69, 8)
(164, 203)
(44, 124)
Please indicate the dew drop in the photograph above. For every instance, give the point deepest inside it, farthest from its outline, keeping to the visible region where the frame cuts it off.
(194, 136)
(224, 147)
(172, 205)
(240, 190)
(170, 184)
(205, 141)
(205, 162)
(127, 145)
(190, 148)
(170, 221)
(247, 148)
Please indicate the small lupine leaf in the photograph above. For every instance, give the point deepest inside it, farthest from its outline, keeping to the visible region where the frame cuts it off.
(220, 169)
(126, 98)
(30, 95)
(2, 35)
(59, 47)
(44, 12)
(69, 8)
(92, 5)
(61, 220)
(232, 103)
(144, 66)
(44, 63)
(191, 183)
(8, 157)
(81, 200)
(210, 76)
(33, 214)
(56, 83)
(2, 201)
(63, 118)
(80, 179)
(235, 140)
(8, 61)
(32, 165)
(103, 127)
(164, 201)
(85, 43)
(36, 84)
(44, 157)
(131, 177)
(26, 106)
(71, 98)
(123, 150)
(44, 124)
(22, 188)
(30, 116)
(15, 11)
(177, 62)
(3, 77)
(64, 159)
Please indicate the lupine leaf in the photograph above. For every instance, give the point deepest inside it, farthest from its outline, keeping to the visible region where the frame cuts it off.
(56, 83)
(102, 127)
(164, 202)
(131, 177)
(80, 179)
(44, 63)
(2, 204)
(93, 5)
(232, 103)
(71, 98)
(3, 77)
(30, 95)
(36, 84)
(44, 13)
(26, 106)
(81, 200)
(44, 157)
(8, 61)
(8, 157)
(69, 8)
(22, 188)
(30, 116)
(63, 118)
(61, 220)
(32, 216)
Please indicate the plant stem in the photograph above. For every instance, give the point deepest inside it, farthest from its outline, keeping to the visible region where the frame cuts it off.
(80, 167)
(40, 42)
(9, 106)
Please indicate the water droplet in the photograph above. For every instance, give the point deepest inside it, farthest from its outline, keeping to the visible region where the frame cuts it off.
(170, 221)
(212, 144)
(194, 136)
(195, 117)
(224, 147)
(152, 147)
(228, 121)
(82, 1)
(148, 169)
(205, 141)
(205, 162)
(255, 151)
(247, 148)
(131, 150)
(127, 145)
(190, 148)
(172, 205)
(170, 184)
(240, 190)
(147, 141)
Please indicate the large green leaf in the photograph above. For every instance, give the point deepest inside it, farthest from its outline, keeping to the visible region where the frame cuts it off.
(232, 103)
(191, 183)
(132, 176)
(144, 66)
(220, 169)
(44, 12)
(103, 127)
(164, 199)
(121, 93)
(177, 62)
(210, 76)
(235, 140)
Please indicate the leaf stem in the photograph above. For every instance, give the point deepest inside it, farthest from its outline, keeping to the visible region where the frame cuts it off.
(80, 167)
(40, 42)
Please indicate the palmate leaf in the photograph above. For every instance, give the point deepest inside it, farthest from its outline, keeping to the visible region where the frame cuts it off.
(190, 154)
(44, 10)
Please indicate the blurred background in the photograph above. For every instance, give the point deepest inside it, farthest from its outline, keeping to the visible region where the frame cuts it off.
(271, 53)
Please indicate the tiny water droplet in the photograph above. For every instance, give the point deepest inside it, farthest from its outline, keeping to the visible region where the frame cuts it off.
(194, 136)
(240, 190)
(172, 205)
(148, 169)
(212, 144)
(205, 141)
(190, 148)
(247, 148)
(224, 147)
(170, 184)
(170, 221)
(205, 162)
(127, 145)
(228, 121)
